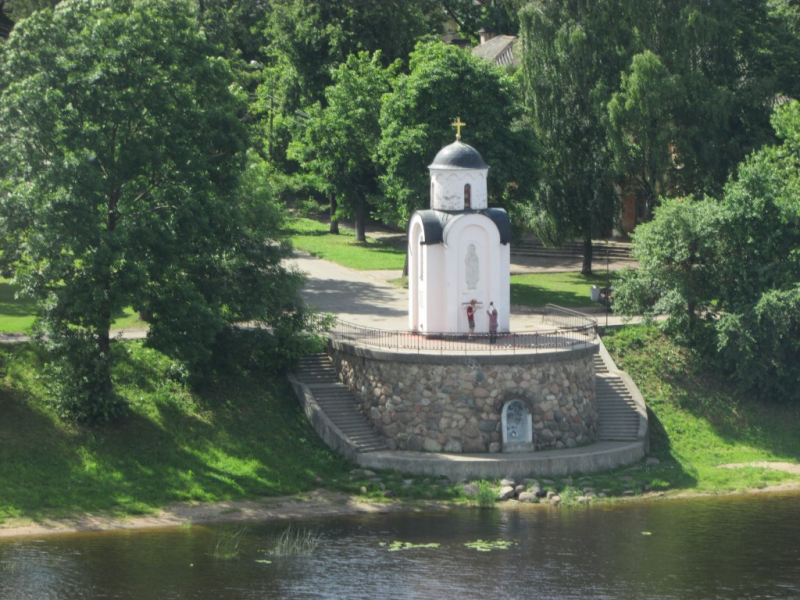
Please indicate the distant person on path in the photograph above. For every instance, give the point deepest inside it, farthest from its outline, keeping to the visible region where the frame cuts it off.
(492, 312)
(471, 316)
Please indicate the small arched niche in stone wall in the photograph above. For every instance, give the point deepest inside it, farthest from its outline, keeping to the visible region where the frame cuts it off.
(517, 425)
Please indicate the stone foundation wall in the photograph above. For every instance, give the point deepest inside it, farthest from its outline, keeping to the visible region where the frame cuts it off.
(454, 404)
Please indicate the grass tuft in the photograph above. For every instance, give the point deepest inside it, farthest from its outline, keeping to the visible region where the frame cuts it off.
(227, 546)
(295, 542)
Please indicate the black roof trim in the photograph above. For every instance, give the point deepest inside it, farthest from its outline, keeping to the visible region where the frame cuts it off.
(436, 222)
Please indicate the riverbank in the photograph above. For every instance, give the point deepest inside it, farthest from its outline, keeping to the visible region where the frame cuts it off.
(318, 503)
(245, 440)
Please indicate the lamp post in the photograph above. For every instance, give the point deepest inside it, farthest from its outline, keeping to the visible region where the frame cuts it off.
(608, 284)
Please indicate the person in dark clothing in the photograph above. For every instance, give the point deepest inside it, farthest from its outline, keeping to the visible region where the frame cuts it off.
(492, 312)
(471, 316)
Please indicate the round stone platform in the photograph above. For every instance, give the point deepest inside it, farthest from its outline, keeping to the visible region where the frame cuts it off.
(600, 456)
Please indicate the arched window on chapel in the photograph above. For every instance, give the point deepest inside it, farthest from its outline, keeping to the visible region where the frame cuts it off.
(467, 197)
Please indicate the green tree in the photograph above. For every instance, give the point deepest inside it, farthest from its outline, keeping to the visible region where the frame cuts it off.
(444, 83)
(120, 137)
(22, 9)
(237, 25)
(340, 140)
(733, 265)
(571, 62)
(677, 255)
(305, 40)
(499, 16)
(697, 91)
(642, 126)
(759, 265)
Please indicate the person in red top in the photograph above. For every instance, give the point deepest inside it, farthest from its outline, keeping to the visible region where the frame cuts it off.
(471, 316)
(492, 323)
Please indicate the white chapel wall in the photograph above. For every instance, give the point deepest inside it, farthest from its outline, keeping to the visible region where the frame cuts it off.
(448, 189)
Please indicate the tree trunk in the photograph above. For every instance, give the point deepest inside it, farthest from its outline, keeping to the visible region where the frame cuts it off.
(586, 269)
(361, 221)
(334, 221)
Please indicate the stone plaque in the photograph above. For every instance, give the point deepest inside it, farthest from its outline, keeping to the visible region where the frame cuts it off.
(517, 426)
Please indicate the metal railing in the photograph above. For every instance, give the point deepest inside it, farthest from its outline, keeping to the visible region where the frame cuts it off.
(566, 317)
(572, 332)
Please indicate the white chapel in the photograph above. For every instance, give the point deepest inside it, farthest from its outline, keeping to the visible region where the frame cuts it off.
(459, 249)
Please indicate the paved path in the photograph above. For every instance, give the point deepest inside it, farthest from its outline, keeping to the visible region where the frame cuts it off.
(366, 298)
(139, 333)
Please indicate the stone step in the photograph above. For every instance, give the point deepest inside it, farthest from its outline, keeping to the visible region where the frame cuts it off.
(611, 402)
(342, 419)
(614, 393)
(334, 395)
(617, 408)
(599, 365)
(337, 403)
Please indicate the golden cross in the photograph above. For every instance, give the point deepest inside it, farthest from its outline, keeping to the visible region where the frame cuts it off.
(458, 125)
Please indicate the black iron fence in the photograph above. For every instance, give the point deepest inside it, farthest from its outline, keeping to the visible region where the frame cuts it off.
(566, 317)
(573, 329)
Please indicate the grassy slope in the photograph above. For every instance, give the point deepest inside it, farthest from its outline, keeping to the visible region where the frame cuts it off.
(242, 438)
(700, 421)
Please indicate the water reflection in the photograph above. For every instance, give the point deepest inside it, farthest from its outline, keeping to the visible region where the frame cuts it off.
(710, 548)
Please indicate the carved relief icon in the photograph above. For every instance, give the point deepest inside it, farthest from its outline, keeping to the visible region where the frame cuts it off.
(472, 263)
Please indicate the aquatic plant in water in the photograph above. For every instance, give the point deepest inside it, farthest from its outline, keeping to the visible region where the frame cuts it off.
(484, 546)
(395, 546)
(295, 542)
(227, 546)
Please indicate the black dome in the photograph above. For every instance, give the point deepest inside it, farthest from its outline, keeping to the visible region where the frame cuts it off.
(458, 156)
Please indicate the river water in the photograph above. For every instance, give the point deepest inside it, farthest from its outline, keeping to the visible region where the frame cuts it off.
(733, 547)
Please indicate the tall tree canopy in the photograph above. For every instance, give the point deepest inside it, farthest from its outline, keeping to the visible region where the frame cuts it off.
(444, 83)
(120, 137)
(571, 63)
(22, 9)
(339, 141)
(305, 40)
(696, 94)
(499, 16)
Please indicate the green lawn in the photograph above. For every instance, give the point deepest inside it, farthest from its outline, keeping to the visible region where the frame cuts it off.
(17, 315)
(313, 237)
(699, 421)
(570, 290)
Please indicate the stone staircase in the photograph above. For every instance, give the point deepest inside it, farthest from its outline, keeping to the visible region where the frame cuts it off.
(337, 402)
(619, 418)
